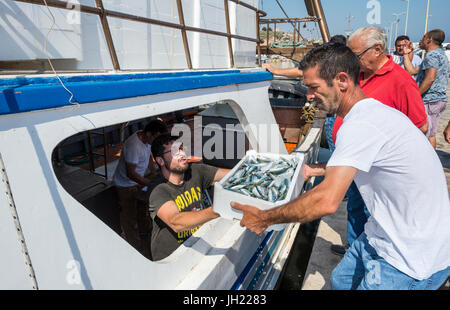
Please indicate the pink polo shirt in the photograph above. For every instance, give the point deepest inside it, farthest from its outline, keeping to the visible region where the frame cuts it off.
(393, 86)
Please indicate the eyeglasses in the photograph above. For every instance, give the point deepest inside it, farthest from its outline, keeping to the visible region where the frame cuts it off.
(176, 149)
(362, 53)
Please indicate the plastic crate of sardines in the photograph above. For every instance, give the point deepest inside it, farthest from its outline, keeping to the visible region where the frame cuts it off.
(264, 180)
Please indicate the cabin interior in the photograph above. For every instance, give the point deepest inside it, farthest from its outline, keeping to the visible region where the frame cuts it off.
(84, 163)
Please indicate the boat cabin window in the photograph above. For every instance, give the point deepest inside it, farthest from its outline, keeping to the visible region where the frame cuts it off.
(212, 134)
(85, 163)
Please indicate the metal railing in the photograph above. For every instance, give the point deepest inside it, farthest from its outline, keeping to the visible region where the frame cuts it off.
(295, 22)
(104, 14)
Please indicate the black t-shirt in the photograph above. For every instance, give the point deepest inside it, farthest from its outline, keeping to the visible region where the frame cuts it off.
(188, 197)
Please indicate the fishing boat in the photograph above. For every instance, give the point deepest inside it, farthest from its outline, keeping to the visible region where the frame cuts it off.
(120, 64)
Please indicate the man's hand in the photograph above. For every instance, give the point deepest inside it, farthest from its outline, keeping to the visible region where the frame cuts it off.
(408, 48)
(447, 133)
(314, 170)
(268, 67)
(308, 170)
(408, 57)
(252, 217)
(293, 72)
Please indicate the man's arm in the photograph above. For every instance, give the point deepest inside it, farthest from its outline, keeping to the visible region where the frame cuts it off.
(407, 60)
(447, 133)
(430, 77)
(324, 199)
(424, 128)
(220, 174)
(315, 170)
(151, 165)
(288, 72)
(409, 101)
(181, 221)
(134, 176)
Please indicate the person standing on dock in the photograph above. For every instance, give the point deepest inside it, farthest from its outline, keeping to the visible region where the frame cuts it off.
(395, 168)
(385, 81)
(129, 177)
(432, 78)
(405, 57)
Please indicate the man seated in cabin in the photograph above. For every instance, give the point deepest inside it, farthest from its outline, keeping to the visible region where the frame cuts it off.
(176, 205)
(406, 240)
(130, 177)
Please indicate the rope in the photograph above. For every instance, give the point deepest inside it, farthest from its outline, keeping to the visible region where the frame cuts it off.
(308, 113)
(48, 56)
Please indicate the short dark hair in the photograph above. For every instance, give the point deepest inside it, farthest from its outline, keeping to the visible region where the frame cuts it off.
(160, 142)
(401, 38)
(339, 38)
(332, 58)
(437, 35)
(155, 126)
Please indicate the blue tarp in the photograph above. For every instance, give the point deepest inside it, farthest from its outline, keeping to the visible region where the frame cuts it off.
(36, 93)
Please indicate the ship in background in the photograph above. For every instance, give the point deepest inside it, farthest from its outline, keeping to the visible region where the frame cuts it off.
(120, 64)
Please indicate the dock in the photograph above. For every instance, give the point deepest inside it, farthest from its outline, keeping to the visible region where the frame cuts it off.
(333, 229)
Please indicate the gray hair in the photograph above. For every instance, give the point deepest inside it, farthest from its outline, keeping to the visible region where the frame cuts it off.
(371, 35)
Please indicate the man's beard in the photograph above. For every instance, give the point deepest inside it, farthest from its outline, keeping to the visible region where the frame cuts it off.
(326, 105)
(176, 170)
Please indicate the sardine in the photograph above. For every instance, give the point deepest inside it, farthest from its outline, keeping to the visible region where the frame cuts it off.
(263, 178)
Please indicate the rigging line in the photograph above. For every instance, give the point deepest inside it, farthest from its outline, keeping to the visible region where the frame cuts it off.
(285, 14)
(48, 56)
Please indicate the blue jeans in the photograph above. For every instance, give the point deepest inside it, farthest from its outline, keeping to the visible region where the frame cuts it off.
(357, 213)
(329, 122)
(362, 269)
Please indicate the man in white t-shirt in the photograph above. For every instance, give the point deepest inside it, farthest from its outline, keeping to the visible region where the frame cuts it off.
(130, 176)
(413, 62)
(406, 241)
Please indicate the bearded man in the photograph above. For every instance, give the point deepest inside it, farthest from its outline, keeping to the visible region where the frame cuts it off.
(397, 172)
(176, 205)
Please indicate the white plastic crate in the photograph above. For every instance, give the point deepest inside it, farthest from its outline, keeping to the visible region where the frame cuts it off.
(223, 197)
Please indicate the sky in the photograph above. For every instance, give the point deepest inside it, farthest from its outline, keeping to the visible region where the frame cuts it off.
(338, 11)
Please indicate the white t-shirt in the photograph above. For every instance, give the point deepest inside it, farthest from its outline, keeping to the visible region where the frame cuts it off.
(402, 182)
(416, 61)
(133, 152)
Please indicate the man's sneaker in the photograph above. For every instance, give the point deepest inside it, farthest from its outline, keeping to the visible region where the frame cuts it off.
(339, 249)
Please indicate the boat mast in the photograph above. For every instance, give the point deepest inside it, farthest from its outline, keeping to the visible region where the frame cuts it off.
(314, 8)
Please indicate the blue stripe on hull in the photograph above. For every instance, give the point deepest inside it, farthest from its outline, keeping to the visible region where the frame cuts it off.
(251, 262)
